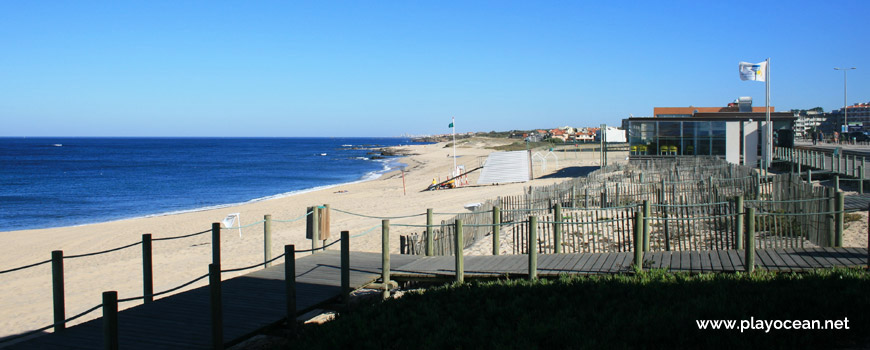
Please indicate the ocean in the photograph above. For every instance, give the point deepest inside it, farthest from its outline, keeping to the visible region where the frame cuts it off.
(52, 182)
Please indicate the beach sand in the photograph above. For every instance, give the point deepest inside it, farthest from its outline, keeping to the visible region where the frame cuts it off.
(26, 302)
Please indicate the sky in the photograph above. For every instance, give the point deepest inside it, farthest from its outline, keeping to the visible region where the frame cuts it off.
(382, 68)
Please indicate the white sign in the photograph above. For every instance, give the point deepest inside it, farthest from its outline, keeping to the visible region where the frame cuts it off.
(231, 219)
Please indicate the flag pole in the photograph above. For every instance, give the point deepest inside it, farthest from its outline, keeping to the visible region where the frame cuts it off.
(769, 143)
(452, 171)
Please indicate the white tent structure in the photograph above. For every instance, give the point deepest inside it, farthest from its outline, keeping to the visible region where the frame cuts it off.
(505, 167)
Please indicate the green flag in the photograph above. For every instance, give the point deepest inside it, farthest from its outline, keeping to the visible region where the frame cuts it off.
(450, 126)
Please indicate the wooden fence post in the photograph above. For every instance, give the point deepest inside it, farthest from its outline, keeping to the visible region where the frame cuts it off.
(110, 320)
(57, 290)
(647, 212)
(147, 270)
(638, 240)
(385, 256)
(749, 254)
(216, 243)
(458, 251)
(739, 208)
(345, 266)
(838, 242)
(557, 228)
(496, 229)
(290, 284)
(217, 322)
(533, 247)
(430, 241)
(315, 229)
(267, 240)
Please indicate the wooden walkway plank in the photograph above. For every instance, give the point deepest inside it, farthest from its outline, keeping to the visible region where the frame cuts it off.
(857, 256)
(725, 261)
(838, 255)
(706, 264)
(801, 264)
(737, 260)
(763, 260)
(607, 265)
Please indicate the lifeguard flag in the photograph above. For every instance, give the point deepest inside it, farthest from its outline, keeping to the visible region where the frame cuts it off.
(450, 126)
(753, 71)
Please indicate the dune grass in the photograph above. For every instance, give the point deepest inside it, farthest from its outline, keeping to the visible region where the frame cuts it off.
(647, 310)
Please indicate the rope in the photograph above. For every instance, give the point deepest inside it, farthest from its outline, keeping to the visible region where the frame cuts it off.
(378, 217)
(786, 201)
(688, 205)
(365, 232)
(22, 335)
(692, 218)
(584, 223)
(102, 252)
(25, 267)
(320, 248)
(178, 237)
(468, 213)
(604, 208)
(795, 214)
(181, 286)
(248, 225)
(255, 265)
(296, 219)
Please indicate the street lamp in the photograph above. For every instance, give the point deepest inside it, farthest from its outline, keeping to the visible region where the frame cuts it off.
(845, 104)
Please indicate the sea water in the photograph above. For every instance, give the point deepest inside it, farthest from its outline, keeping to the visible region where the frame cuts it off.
(51, 182)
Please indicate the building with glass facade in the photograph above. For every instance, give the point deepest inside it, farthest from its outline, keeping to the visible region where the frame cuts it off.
(703, 133)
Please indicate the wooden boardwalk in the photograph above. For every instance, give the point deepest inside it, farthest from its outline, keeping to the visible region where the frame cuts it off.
(257, 300)
(250, 303)
(551, 265)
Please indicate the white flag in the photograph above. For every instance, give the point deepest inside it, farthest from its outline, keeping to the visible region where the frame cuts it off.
(753, 71)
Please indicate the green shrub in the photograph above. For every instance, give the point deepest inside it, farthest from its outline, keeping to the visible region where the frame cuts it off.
(653, 309)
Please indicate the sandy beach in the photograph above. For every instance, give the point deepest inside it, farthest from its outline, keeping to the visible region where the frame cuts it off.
(27, 297)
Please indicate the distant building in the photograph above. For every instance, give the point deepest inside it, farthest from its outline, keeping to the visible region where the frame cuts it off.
(807, 121)
(858, 116)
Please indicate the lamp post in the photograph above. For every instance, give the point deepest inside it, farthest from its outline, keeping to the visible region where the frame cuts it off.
(845, 104)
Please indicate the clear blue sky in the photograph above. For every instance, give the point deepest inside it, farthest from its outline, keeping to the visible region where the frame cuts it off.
(377, 68)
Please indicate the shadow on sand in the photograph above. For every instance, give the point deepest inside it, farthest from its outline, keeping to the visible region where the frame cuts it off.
(571, 172)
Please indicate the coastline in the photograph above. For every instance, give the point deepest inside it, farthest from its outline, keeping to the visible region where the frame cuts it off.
(27, 293)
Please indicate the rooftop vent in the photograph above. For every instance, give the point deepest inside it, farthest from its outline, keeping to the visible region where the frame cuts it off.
(744, 104)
